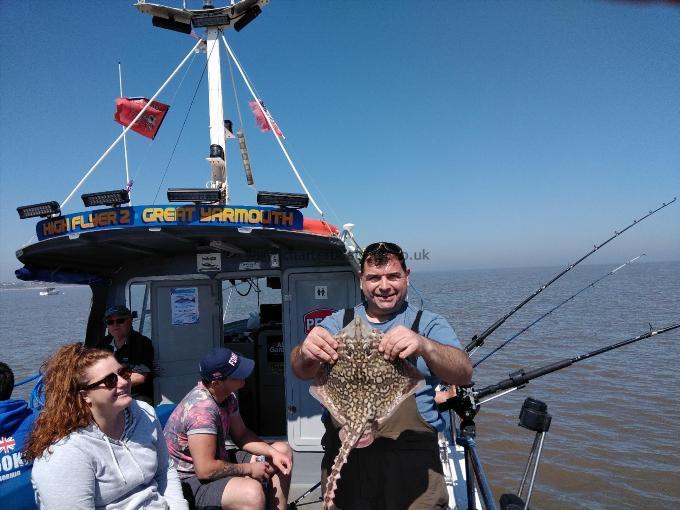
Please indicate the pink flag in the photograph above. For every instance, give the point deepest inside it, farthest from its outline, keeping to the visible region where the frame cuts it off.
(259, 110)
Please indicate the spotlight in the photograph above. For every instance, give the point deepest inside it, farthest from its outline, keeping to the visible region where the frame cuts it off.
(249, 16)
(44, 209)
(195, 195)
(171, 24)
(113, 198)
(210, 20)
(292, 200)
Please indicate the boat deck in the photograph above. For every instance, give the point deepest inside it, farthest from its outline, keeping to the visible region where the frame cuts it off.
(311, 502)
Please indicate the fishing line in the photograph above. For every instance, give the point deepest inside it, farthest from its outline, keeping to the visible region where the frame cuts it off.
(592, 284)
(478, 340)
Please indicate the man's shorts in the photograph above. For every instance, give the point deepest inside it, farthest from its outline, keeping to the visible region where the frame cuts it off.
(390, 475)
(208, 495)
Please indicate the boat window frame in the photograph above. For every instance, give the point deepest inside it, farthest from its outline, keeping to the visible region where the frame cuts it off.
(255, 273)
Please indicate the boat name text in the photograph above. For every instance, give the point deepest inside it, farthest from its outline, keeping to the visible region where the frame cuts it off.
(165, 215)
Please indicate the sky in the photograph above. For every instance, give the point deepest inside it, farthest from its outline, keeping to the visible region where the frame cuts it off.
(480, 133)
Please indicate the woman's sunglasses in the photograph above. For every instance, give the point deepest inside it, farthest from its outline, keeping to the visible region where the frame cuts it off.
(119, 320)
(111, 380)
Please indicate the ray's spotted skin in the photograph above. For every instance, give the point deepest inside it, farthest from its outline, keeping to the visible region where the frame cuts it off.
(361, 390)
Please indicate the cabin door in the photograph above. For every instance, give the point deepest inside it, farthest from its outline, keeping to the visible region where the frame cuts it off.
(186, 321)
(308, 296)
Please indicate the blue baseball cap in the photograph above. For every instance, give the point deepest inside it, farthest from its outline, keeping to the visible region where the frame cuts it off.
(222, 363)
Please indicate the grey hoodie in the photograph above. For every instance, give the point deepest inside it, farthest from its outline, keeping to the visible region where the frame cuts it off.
(87, 469)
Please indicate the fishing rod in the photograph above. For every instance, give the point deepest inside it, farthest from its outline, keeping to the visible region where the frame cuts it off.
(467, 400)
(520, 378)
(478, 340)
(592, 284)
(466, 405)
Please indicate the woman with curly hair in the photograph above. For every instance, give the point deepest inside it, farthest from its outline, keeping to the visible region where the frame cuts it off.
(93, 446)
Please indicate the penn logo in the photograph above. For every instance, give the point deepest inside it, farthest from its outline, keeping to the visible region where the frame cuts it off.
(313, 318)
(233, 360)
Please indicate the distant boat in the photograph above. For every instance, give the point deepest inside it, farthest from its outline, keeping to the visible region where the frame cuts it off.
(50, 291)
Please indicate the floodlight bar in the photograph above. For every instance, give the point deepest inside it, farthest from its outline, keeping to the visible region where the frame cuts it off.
(43, 209)
(111, 198)
(171, 24)
(292, 200)
(210, 20)
(195, 195)
(249, 16)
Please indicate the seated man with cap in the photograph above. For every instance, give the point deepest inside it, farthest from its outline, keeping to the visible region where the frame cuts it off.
(196, 433)
(131, 349)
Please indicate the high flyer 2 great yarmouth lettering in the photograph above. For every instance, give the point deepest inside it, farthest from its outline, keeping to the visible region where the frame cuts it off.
(165, 215)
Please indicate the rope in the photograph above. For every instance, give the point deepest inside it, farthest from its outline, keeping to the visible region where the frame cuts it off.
(139, 170)
(241, 134)
(120, 137)
(179, 135)
(25, 381)
(37, 401)
(125, 151)
(233, 86)
(271, 127)
(318, 189)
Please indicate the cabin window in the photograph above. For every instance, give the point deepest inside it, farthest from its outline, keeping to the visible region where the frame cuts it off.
(250, 303)
(140, 301)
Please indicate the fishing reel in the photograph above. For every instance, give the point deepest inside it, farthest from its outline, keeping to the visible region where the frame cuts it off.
(464, 404)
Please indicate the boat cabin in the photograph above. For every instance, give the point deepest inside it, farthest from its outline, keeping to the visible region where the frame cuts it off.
(257, 290)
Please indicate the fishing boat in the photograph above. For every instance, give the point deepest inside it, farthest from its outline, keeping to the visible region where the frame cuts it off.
(198, 270)
(201, 271)
(50, 291)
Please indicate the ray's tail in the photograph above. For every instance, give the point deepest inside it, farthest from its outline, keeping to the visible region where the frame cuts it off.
(340, 460)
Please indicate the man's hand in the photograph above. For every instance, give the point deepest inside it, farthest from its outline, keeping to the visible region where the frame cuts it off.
(281, 461)
(401, 342)
(260, 471)
(319, 345)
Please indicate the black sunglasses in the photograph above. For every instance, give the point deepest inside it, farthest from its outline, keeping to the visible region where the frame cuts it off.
(382, 246)
(111, 380)
(119, 320)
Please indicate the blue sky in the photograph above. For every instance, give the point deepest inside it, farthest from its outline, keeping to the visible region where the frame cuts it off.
(490, 134)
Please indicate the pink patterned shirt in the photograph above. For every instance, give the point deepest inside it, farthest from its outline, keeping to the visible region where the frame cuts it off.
(198, 413)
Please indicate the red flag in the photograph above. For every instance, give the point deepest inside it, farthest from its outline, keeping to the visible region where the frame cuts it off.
(127, 108)
(259, 110)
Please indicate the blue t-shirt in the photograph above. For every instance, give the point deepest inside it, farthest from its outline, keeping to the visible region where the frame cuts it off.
(16, 422)
(432, 326)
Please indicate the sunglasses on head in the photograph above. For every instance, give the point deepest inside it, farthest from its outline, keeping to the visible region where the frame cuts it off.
(384, 247)
(111, 380)
(119, 320)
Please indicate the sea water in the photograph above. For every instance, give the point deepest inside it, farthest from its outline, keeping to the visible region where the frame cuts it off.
(614, 441)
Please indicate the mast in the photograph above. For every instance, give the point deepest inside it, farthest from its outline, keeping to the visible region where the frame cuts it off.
(214, 20)
(217, 157)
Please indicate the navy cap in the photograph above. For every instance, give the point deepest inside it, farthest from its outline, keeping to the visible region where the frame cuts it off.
(221, 363)
(120, 310)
